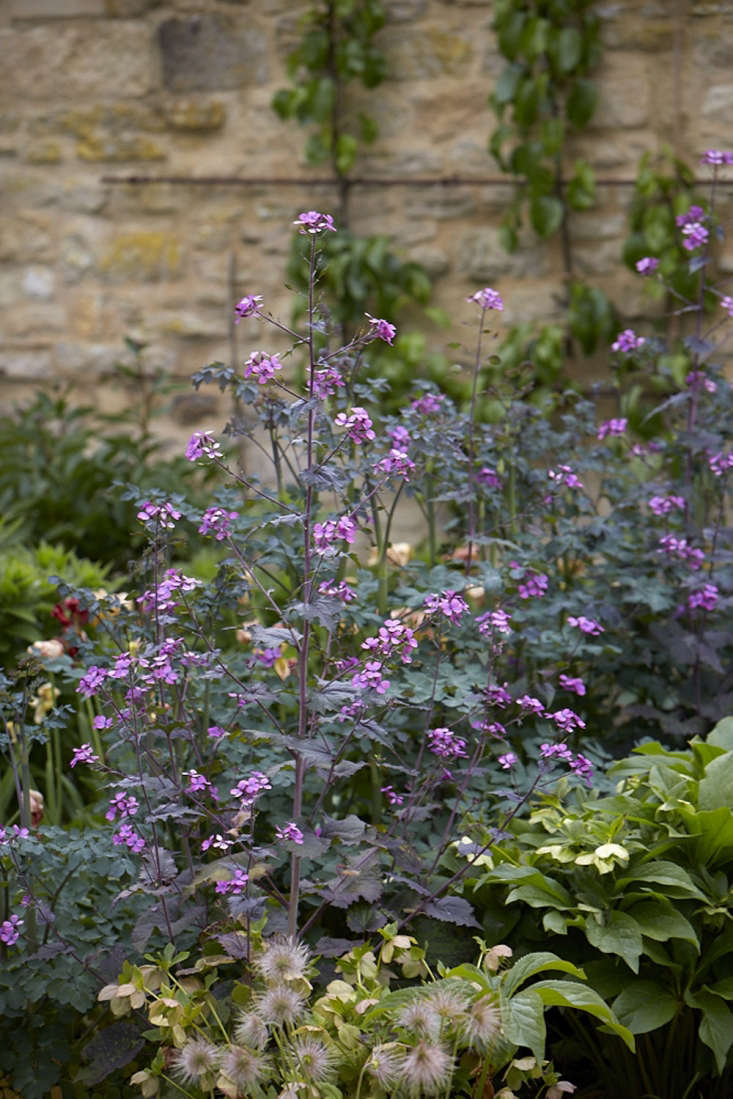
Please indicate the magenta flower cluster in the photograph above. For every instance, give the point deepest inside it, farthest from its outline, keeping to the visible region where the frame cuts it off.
(84, 754)
(532, 585)
(627, 341)
(337, 590)
(396, 463)
(564, 475)
(662, 505)
(326, 382)
(217, 521)
(234, 885)
(448, 603)
(128, 837)
(202, 444)
(262, 366)
(585, 625)
(124, 805)
(705, 597)
(247, 306)
(312, 222)
(694, 231)
(443, 742)
(680, 548)
(487, 299)
(612, 427)
(392, 638)
(496, 621)
(249, 789)
(290, 833)
(162, 515)
(358, 425)
(370, 678)
(380, 329)
(9, 930)
(579, 764)
(647, 266)
(333, 530)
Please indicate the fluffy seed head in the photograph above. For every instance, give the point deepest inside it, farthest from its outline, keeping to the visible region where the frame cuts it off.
(385, 1064)
(283, 960)
(280, 1004)
(449, 1004)
(316, 1060)
(244, 1067)
(420, 1017)
(197, 1062)
(427, 1068)
(251, 1031)
(480, 1027)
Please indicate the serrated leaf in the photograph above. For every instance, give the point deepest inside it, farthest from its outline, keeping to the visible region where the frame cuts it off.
(524, 1022)
(452, 910)
(532, 964)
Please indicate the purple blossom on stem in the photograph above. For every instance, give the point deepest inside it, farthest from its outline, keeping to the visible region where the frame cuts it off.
(699, 377)
(325, 534)
(567, 720)
(268, 657)
(15, 833)
(720, 462)
(290, 832)
(568, 683)
(498, 695)
(694, 214)
(612, 427)
(126, 806)
(246, 306)
(85, 754)
(197, 783)
(218, 842)
(586, 625)
(496, 621)
(102, 722)
(235, 885)
(392, 637)
(450, 605)
(556, 751)
(334, 590)
(127, 835)
(396, 463)
(400, 437)
(680, 548)
(530, 705)
(262, 366)
(428, 405)
(217, 521)
(250, 788)
(358, 425)
(647, 265)
(727, 304)
(202, 444)
(705, 597)
(662, 505)
(583, 768)
(311, 222)
(533, 585)
(488, 477)
(716, 157)
(564, 475)
(326, 382)
(370, 677)
(392, 797)
(9, 933)
(444, 743)
(162, 515)
(695, 235)
(627, 341)
(507, 761)
(90, 683)
(380, 329)
(164, 596)
(487, 299)
(216, 732)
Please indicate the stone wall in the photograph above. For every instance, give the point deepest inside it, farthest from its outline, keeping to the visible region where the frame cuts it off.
(92, 89)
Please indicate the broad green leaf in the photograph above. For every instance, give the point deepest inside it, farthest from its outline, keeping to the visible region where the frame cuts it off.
(644, 1006)
(542, 893)
(571, 994)
(556, 922)
(716, 1028)
(714, 831)
(716, 787)
(524, 1022)
(581, 103)
(722, 988)
(568, 49)
(618, 935)
(507, 83)
(546, 215)
(662, 872)
(722, 734)
(662, 921)
(532, 964)
(452, 910)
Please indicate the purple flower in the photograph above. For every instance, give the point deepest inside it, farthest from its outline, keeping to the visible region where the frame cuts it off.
(694, 214)
(16, 833)
(248, 305)
(564, 475)
(251, 787)
(647, 265)
(556, 751)
(570, 684)
(164, 597)
(661, 505)
(123, 804)
(705, 597)
(325, 534)
(444, 743)
(612, 427)
(127, 835)
(392, 637)
(326, 382)
(370, 677)
(85, 754)
(397, 463)
(567, 720)
(235, 885)
(587, 625)
(699, 377)
(291, 832)
(695, 235)
(202, 444)
(268, 657)
(530, 705)
(583, 768)
(507, 761)
(495, 728)
(262, 366)
(488, 477)
(680, 548)
(716, 156)
(216, 732)
(727, 304)
(218, 842)
(311, 222)
(334, 590)
(487, 299)
(428, 404)
(163, 515)
(380, 329)
(498, 696)
(358, 425)
(628, 341)
(90, 683)
(217, 521)
(9, 933)
(392, 797)
(719, 462)
(533, 585)
(494, 621)
(400, 437)
(450, 605)
(197, 783)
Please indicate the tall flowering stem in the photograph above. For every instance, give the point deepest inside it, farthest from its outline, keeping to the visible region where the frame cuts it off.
(487, 299)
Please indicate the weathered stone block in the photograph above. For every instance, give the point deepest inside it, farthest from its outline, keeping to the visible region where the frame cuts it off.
(125, 9)
(206, 52)
(54, 9)
(482, 259)
(718, 101)
(103, 118)
(624, 92)
(38, 282)
(115, 150)
(43, 152)
(25, 363)
(142, 255)
(189, 115)
(431, 52)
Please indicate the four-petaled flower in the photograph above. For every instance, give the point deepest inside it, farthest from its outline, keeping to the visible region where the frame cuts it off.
(487, 299)
(248, 305)
(9, 933)
(444, 743)
(380, 329)
(507, 761)
(262, 366)
(311, 222)
(585, 625)
(217, 521)
(85, 754)
(627, 341)
(612, 427)
(202, 444)
(290, 832)
(358, 424)
(647, 265)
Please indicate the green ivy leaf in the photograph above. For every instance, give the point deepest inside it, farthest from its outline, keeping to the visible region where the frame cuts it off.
(581, 103)
(568, 48)
(546, 215)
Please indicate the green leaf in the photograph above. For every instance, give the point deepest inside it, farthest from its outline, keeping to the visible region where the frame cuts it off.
(581, 189)
(581, 103)
(714, 831)
(582, 998)
(716, 787)
(661, 872)
(716, 1028)
(722, 734)
(661, 922)
(506, 85)
(567, 49)
(644, 1006)
(722, 988)
(546, 215)
(346, 147)
(532, 964)
(618, 935)
(542, 892)
(452, 910)
(524, 1022)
